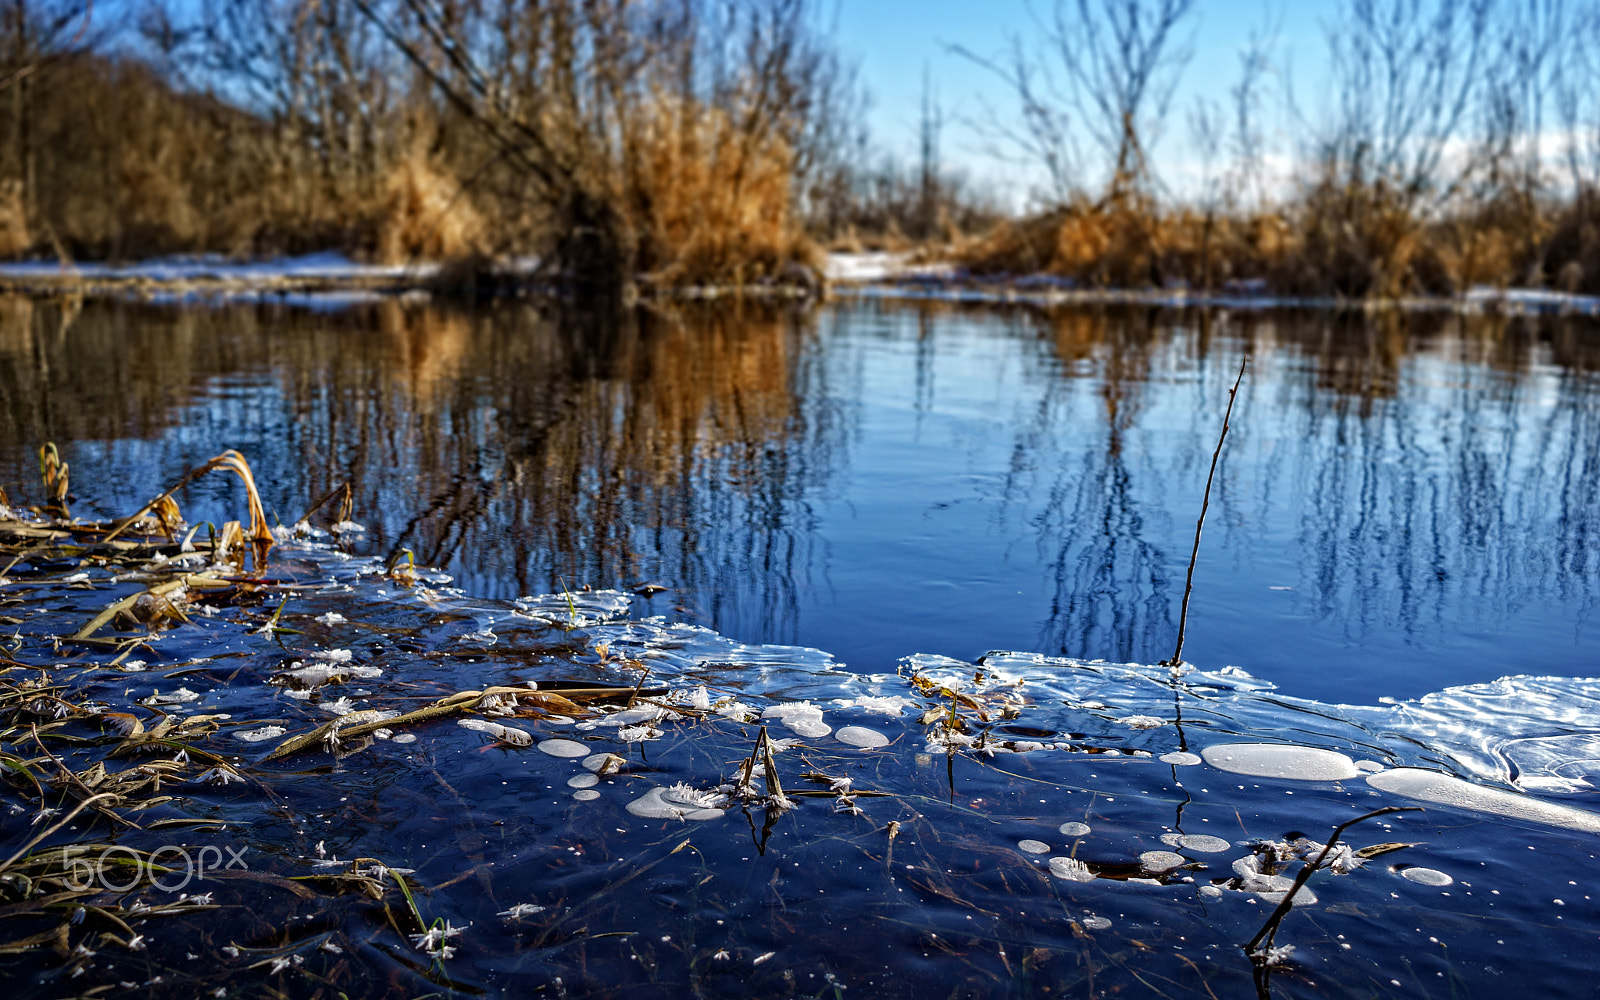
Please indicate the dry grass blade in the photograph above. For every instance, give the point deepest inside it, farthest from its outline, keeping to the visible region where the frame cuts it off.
(68, 818)
(127, 604)
(260, 533)
(54, 472)
(361, 723)
(342, 494)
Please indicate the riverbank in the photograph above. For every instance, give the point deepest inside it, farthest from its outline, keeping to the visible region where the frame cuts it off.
(334, 279)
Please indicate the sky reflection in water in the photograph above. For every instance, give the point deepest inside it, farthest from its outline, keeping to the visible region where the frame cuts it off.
(1406, 502)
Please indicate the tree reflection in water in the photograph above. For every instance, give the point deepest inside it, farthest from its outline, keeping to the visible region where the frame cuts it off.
(1410, 478)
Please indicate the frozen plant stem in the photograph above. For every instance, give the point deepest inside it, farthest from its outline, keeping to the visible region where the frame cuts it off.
(1205, 501)
(1269, 930)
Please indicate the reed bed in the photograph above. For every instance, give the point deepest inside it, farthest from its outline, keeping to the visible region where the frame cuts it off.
(1353, 241)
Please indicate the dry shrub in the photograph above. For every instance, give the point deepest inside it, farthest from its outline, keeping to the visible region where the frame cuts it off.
(1117, 242)
(1352, 241)
(1572, 252)
(425, 215)
(1495, 240)
(1107, 243)
(14, 240)
(709, 202)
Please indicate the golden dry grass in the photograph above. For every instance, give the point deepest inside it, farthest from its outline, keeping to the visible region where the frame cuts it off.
(14, 238)
(1355, 241)
(425, 215)
(709, 202)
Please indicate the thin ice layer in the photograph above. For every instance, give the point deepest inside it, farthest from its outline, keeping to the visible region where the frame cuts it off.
(1443, 789)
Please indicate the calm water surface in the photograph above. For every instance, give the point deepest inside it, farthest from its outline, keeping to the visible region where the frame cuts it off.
(1404, 504)
(835, 503)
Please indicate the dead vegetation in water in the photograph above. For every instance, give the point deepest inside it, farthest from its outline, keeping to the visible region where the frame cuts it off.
(102, 780)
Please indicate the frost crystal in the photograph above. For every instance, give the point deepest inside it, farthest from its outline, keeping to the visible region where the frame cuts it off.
(684, 794)
(1276, 955)
(1142, 722)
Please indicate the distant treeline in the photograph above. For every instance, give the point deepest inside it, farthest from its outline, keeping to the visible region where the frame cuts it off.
(1455, 143)
(671, 142)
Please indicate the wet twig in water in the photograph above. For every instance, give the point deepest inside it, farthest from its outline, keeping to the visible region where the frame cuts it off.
(1205, 501)
(1259, 946)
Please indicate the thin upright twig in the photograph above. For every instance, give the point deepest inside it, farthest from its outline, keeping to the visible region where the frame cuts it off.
(1269, 930)
(1188, 583)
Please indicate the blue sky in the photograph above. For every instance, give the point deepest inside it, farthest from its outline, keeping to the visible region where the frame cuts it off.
(891, 41)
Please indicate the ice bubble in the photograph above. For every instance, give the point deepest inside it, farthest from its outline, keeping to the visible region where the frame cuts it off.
(404, 738)
(1369, 766)
(633, 716)
(586, 795)
(1280, 760)
(604, 763)
(1305, 897)
(861, 736)
(1202, 843)
(182, 696)
(689, 797)
(653, 805)
(264, 733)
(564, 748)
(1074, 829)
(1033, 846)
(1142, 722)
(1431, 786)
(1071, 869)
(1253, 879)
(1426, 876)
(1161, 861)
(508, 734)
(1179, 757)
(1210, 892)
(800, 716)
(583, 781)
(890, 705)
(1095, 923)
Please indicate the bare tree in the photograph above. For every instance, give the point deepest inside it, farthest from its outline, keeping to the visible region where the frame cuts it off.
(1577, 101)
(1044, 135)
(1534, 50)
(1404, 76)
(1247, 94)
(314, 69)
(1114, 64)
(592, 101)
(33, 35)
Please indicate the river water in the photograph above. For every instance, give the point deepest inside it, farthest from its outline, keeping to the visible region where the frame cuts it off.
(867, 507)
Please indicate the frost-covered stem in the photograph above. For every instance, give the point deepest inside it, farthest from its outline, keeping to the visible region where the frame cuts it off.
(1205, 501)
(1269, 930)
